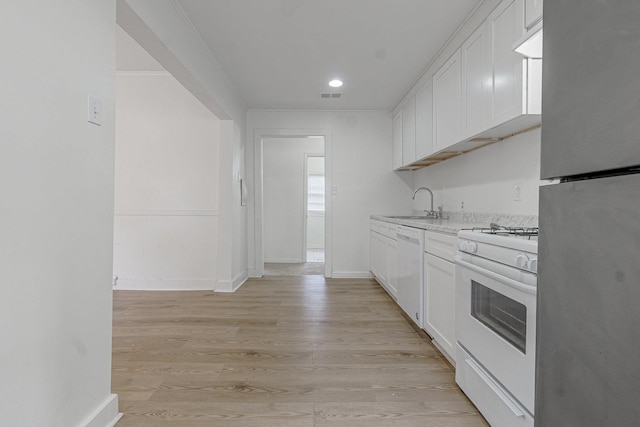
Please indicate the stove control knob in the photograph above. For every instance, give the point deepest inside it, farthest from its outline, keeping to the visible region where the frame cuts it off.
(522, 261)
(472, 247)
(533, 265)
(463, 245)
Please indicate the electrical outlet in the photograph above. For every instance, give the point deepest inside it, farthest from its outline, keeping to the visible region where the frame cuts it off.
(517, 192)
(462, 206)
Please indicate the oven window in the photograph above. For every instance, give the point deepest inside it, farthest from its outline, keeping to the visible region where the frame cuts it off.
(504, 316)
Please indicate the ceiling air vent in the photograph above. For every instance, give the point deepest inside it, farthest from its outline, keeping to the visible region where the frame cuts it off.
(330, 95)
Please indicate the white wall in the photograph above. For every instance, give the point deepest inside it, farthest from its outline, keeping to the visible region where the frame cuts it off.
(360, 162)
(166, 192)
(484, 179)
(283, 191)
(56, 226)
(163, 30)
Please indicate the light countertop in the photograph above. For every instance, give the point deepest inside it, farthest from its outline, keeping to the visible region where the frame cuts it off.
(460, 221)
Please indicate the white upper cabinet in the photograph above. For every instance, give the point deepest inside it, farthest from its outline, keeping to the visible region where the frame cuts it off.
(409, 132)
(447, 104)
(424, 120)
(476, 83)
(484, 91)
(505, 26)
(396, 152)
(532, 12)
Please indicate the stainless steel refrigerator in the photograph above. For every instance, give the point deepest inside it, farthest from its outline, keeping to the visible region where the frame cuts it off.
(588, 318)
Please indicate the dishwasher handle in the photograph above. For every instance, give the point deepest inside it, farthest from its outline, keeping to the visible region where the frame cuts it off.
(406, 238)
(412, 235)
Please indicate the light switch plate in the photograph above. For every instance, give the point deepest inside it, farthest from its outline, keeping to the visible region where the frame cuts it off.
(95, 110)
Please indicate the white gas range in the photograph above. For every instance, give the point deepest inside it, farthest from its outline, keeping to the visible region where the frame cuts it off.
(496, 321)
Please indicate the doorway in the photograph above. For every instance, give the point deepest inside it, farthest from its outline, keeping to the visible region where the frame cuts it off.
(291, 215)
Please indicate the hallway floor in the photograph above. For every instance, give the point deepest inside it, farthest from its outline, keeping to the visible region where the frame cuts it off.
(281, 351)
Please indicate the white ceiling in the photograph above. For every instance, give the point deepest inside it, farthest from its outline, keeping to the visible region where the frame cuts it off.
(280, 54)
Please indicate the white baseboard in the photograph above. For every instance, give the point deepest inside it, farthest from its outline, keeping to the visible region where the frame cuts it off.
(351, 275)
(106, 415)
(232, 286)
(284, 260)
(165, 284)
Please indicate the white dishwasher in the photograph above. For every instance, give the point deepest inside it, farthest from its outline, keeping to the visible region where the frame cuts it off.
(411, 272)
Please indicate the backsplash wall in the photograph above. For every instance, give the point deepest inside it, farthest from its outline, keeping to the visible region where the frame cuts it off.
(484, 180)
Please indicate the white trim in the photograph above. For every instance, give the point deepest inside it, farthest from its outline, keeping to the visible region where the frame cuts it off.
(284, 260)
(157, 73)
(315, 246)
(106, 415)
(239, 280)
(159, 284)
(230, 287)
(305, 201)
(352, 275)
(256, 211)
(147, 212)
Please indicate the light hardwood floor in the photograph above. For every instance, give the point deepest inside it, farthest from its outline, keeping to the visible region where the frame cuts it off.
(281, 351)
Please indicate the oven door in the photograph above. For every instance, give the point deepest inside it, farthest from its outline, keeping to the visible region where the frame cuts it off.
(495, 324)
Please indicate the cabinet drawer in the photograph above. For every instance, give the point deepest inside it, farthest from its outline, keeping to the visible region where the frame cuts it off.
(378, 226)
(391, 231)
(387, 229)
(442, 245)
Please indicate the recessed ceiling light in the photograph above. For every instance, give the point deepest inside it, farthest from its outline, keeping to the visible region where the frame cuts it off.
(335, 83)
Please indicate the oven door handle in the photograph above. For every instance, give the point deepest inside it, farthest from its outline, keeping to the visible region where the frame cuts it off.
(514, 407)
(500, 278)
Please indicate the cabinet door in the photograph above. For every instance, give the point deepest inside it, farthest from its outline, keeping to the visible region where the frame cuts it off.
(505, 26)
(392, 267)
(476, 87)
(378, 258)
(424, 120)
(533, 12)
(409, 132)
(439, 303)
(447, 94)
(373, 264)
(396, 154)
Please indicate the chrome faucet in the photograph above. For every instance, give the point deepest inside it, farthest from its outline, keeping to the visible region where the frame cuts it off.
(430, 213)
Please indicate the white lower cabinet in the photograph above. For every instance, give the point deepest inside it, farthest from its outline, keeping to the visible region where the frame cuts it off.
(383, 258)
(376, 248)
(440, 290)
(392, 263)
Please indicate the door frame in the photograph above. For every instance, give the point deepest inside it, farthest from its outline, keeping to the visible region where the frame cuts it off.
(256, 233)
(305, 196)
